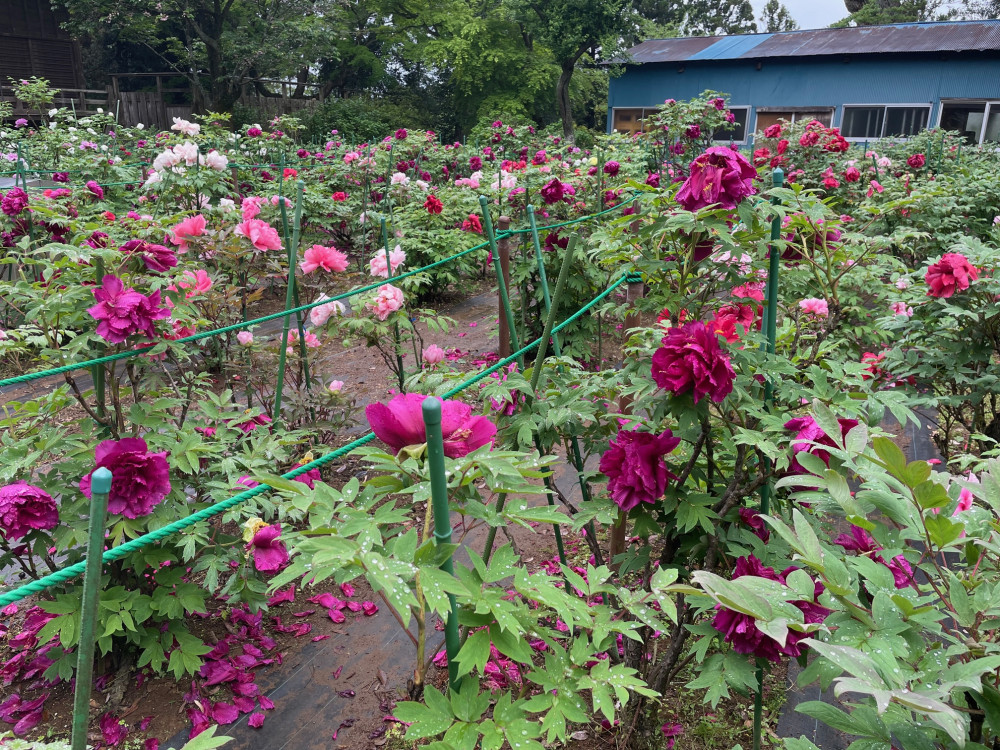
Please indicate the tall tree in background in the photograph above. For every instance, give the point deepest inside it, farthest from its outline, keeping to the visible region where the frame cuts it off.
(879, 12)
(774, 17)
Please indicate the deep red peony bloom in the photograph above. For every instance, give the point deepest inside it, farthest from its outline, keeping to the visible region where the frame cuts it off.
(611, 168)
(140, 479)
(122, 312)
(269, 553)
(741, 630)
(14, 201)
(635, 467)
(951, 274)
(806, 429)
(916, 161)
(773, 131)
(553, 191)
(157, 258)
(691, 361)
(473, 224)
(400, 423)
(728, 317)
(24, 507)
(433, 204)
(851, 174)
(719, 176)
(863, 543)
(753, 519)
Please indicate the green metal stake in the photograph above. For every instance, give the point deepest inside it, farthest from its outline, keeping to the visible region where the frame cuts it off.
(758, 705)
(289, 300)
(97, 371)
(100, 487)
(395, 326)
(771, 318)
(442, 523)
(501, 284)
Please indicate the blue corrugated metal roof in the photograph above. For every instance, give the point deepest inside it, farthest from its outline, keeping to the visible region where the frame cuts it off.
(731, 47)
(901, 38)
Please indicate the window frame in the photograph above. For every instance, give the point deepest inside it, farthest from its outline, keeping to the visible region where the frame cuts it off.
(642, 109)
(795, 112)
(988, 105)
(746, 133)
(928, 106)
(746, 126)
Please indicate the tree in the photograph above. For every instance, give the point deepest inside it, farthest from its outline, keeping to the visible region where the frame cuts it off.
(880, 12)
(775, 17)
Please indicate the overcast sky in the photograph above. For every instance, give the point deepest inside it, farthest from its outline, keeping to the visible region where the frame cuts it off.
(811, 14)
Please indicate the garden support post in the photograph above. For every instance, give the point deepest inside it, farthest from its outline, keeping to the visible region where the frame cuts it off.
(100, 487)
(395, 326)
(636, 291)
(97, 371)
(501, 284)
(770, 323)
(289, 297)
(503, 248)
(442, 523)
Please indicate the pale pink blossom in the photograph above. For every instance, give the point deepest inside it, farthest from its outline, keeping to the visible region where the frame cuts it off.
(351, 156)
(336, 386)
(387, 300)
(214, 160)
(377, 264)
(901, 308)
(245, 338)
(398, 178)
(188, 152)
(815, 306)
(433, 354)
(185, 127)
(261, 234)
(327, 258)
(902, 284)
(312, 341)
(274, 201)
(322, 313)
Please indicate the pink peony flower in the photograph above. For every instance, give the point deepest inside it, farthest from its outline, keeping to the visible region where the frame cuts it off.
(753, 519)
(808, 432)
(14, 201)
(874, 186)
(400, 423)
(433, 354)
(322, 313)
(377, 264)
(245, 338)
(122, 312)
(953, 273)
(192, 226)
(732, 321)
(157, 258)
(901, 308)
(140, 479)
(327, 258)
(269, 553)
(336, 386)
(24, 507)
(611, 168)
(690, 360)
(719, 176)
(250, 206)
(916, 161)
(635, 467)
(741, 630)
(96, 190)
(387, 300)
(198, 282)
(815, 306)
(261, 234)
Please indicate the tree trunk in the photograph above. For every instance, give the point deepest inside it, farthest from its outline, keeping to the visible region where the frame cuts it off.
(562, 99)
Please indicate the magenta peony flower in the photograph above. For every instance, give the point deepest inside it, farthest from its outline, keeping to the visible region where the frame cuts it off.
(157, 258)
(719, 176)
(806, 429)
(269, 553)
(327, 258)
(916, 161)
(691, 361)
(553, 191)
(951, 274)
(863, 543)
(140, 479)
(635, 467)
(14, 201)
(752, 519)
(611, 168)
(122, 312)
(24, 507)
(400, 423)
(96, 189)
(741, 630)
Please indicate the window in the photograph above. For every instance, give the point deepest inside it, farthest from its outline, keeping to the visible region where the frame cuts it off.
(737, 132)
(978, 121)
(870, 122)
(631, 120)
(768, 116)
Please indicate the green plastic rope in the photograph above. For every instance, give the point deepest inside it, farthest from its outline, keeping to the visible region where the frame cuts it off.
(116, 553)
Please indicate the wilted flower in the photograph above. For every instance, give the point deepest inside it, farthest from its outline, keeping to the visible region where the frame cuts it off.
(400, 424)
(95, 189)
(719, 176)
(140, 479)
(269, 553)
(951, 274)
(901, 308)
(122, 312)
(24, 507)
(635, 467)
(690, 360)
(327, 258)
(753, 519)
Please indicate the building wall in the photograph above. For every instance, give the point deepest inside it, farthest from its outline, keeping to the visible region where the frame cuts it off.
(812, 82)
(32, 42)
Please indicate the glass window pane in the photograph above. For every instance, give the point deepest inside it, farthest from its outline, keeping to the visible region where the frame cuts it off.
(627, 120)
(905, 120)
(965, 117)
(992, 134)
(738, 130)
(863, 122)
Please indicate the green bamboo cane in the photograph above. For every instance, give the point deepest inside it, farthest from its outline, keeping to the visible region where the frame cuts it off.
(98, 370)
(100, 487)
(501, 284)
(289, 297)
(384, 228)
(442, 523)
